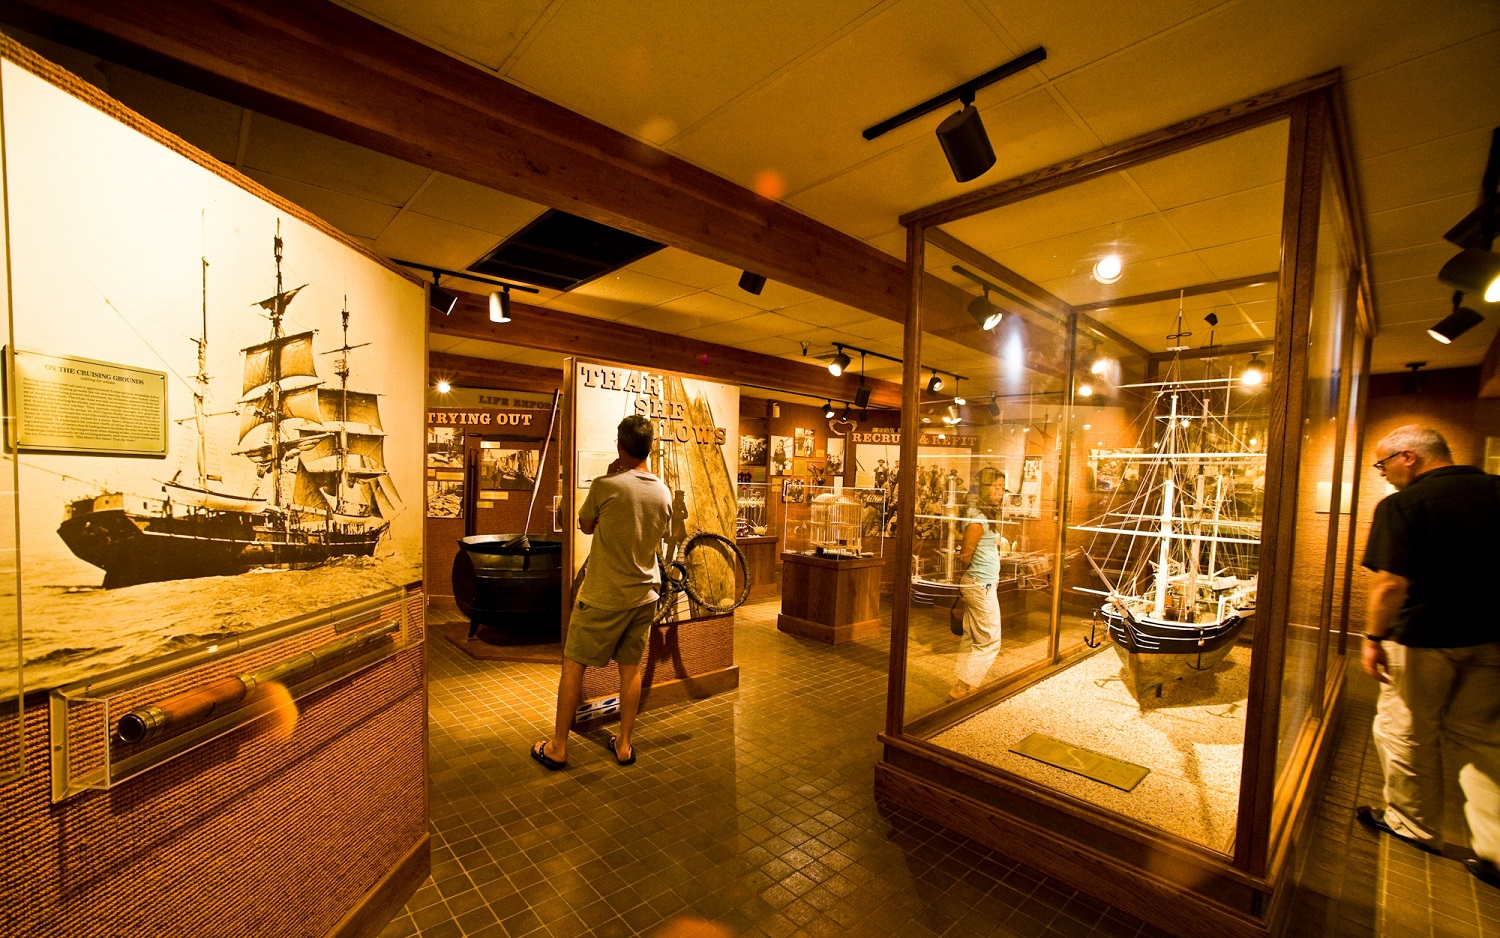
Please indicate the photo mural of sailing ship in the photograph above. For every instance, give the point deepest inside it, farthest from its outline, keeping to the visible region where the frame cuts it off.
(294, 367)
(1177, 550)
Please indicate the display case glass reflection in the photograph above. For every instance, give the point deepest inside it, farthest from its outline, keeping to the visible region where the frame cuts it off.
(753, 514)
(836, 521)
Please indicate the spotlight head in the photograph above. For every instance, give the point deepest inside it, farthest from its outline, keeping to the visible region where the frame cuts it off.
(993, 407)
(1474, 271)
(443, 387)
(500, 306)
(1456, 323)
(986, 314)
(966, 144)
(828, 410)
(1254, 374)
(862, 396)
(1085, 390)
(839, 363)
(752, 283)
(935, 383)
(441, 300)
(1212, 319)
(1108, 269)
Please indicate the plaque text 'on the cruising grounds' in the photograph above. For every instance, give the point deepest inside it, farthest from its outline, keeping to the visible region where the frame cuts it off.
(78, 405)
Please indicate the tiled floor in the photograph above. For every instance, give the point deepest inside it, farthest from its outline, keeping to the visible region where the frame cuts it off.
(751, 813)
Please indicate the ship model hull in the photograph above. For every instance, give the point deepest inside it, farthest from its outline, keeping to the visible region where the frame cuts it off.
(144, 543)
(1153, 651)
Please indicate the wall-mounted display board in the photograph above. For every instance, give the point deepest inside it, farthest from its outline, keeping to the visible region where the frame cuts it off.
(1118, 652)
(290, 366)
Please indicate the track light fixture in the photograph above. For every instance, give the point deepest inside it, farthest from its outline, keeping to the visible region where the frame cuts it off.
(1254, 374)
(828, 410)
(1456, 323)
(500, 306)
(958, 398)
(839, 363)
(862, 394)
(986, 314)
(962, 133)
(752, 283)
(993, 407)
(440, 299)
(1474, 271)
(935, 383)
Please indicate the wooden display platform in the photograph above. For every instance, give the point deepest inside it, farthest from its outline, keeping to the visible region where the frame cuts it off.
(760, 558)
(828, 599)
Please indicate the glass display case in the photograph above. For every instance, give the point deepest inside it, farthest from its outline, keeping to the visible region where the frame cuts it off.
(834, 521)
(1132, 691)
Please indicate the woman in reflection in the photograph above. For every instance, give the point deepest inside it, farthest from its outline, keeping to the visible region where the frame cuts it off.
(980, 557)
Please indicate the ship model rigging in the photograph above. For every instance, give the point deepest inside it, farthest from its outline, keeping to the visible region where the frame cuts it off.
(1178, 553)
(316, 449)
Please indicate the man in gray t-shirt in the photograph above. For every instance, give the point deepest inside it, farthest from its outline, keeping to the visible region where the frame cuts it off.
(628, 511)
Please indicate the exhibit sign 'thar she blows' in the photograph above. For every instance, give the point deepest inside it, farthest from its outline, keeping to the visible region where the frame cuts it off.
(293, 382)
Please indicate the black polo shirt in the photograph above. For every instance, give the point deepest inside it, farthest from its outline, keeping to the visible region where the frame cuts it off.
(1442, 533)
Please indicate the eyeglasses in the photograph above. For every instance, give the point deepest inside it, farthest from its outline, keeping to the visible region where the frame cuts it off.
(1379, 464)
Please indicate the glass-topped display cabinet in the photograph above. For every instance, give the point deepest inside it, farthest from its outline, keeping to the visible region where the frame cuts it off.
(1133, 692)
(834, 521)
(753, 514)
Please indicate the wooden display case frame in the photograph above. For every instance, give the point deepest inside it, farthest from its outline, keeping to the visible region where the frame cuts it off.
(1182, 887)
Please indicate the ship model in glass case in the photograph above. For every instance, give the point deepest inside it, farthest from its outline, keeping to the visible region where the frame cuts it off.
(1178, 552)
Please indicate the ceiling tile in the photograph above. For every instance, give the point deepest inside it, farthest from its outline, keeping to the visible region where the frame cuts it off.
(1239, 217)
(1424, 221)
(763, 326)
(818, 109)
(1095, 28)
(821, 312)
(1425, 172)
(294, 153)
(350, 214)
(482, 32)
(1083, 207)
(652, 70)
(1417, 100)
(474, 206)
(773, 296)
(1423, 260)
(616, 295)
(415, 237)
(686, 268)
(1243, 258)
(1248, 160)
(1410, 342)
(690, 312)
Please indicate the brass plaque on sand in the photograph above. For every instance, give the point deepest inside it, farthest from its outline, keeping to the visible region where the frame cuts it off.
(1101, 768)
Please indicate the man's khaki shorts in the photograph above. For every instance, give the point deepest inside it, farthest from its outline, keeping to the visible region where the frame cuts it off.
(597, 635)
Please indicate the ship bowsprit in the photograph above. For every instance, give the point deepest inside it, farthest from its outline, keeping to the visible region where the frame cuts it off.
(136, 540)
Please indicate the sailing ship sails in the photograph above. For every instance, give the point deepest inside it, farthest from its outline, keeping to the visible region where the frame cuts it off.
(317, 448)
(1178, 553)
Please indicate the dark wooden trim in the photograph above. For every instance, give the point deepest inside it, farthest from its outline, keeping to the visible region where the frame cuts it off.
(1199, 289)
(571, 334)
(906, 479)
(317, 65)
(1313, 757)
(377, 907)
(1352, 199)
(1283, 460)
(463, 371)
(1195, 131)
(1367, 343)
(1158, 886)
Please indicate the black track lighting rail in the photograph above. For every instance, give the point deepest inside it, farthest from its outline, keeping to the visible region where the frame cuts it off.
(891, 358)
(964, 92)
(466, 275)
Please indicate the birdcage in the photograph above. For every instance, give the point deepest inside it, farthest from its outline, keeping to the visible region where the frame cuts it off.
(836, 522)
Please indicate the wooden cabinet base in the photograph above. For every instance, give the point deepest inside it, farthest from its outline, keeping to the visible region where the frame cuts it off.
(830, 600)
(832, 634)
(388, 896)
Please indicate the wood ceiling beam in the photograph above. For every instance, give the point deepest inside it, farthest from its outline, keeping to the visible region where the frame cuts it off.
(315, 64)
(1489, 370)
(465, 371)
(570, 334)
(1198, 289)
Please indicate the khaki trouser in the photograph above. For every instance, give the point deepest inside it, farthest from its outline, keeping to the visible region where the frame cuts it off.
(1440, 696)
(980, 644)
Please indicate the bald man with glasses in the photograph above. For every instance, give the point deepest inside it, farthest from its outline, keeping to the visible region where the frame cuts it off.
(1433, 643)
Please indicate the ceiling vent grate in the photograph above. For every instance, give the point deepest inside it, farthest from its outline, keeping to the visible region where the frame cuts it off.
(561, 251)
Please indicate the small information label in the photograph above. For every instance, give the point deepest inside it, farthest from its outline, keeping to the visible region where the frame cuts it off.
(78, 405)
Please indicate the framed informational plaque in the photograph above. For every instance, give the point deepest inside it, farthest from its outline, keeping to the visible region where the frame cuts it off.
(67, 404)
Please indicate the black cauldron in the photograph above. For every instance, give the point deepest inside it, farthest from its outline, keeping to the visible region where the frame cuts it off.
(512, 584)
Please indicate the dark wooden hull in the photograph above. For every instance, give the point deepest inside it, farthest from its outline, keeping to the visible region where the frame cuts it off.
(136, 548)
(1154, 652)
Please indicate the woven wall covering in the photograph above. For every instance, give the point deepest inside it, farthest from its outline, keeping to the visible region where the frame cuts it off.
(255, 834)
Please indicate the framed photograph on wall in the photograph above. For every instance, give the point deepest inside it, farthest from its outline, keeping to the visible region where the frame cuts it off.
(445, 447)
(445, 498)
(503, 469)
(753, 450)
(835, 462)
(793, 490)
(781, 455)
(806, 441)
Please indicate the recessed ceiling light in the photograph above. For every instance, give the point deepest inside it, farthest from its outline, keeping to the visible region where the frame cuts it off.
(1108, 268)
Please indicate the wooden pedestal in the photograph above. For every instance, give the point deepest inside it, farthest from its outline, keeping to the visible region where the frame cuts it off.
(760, 558)
(830, 600)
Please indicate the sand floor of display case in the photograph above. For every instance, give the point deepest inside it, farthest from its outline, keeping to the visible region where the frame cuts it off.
(1191, 739)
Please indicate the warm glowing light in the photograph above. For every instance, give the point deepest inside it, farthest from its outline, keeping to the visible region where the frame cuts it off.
(1099, 367)
(769, 183)
(960, 401)
(284, 714)
(1252, 377)
(1085, 390)
(443, 387)
(1107, 269)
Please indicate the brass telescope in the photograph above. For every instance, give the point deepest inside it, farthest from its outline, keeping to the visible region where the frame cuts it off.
(230, 693)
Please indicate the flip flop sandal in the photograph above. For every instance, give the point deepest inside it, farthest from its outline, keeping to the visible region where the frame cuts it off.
(539, 753)
(616, 752)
